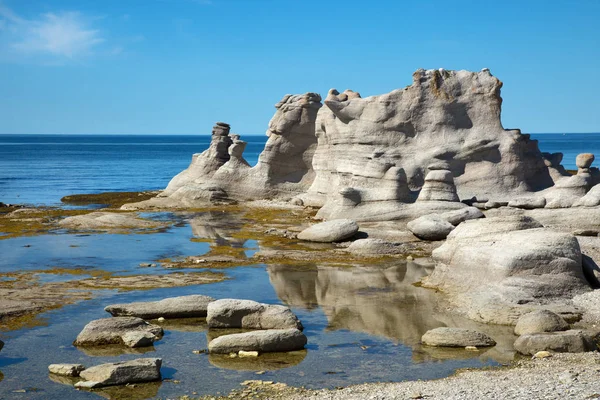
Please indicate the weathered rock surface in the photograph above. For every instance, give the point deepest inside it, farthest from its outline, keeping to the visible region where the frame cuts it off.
(248, 314)
(66, 369)
(330, 231)
(528, 203)
(191, 306)
(121, 373)
(571, 341)
(263, 341)
(591, 198)
(100, 220)
(438, 186)
(464, 214)
(112, 331)
(495, 269)
(456, 337)
(540, 321)
(377, 247)
(430, 227)
(584, 160)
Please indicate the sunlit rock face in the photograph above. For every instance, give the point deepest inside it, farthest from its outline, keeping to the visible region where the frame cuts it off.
(381, 146)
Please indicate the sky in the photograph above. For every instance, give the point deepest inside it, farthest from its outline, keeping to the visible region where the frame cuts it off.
(178, 66)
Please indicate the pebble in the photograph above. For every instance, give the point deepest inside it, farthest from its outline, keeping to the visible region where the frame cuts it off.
(542, 354)
(161, 319)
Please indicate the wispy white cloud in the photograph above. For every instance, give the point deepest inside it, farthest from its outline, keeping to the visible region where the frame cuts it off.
(60, 35)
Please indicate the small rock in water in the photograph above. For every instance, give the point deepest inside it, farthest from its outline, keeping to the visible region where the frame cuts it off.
(66, 369)
(243, 353)
(138, 339)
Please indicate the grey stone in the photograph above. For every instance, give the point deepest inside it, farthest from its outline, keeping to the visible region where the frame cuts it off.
(248, 314)
(263, 341)
(528, 203)
(101, 220)
(330, 231)
(464, 214)
(438, 186)
(121, 373)
(66, 369)
(456, 337)
(540, 321)
(584, 160)
(571, 341)
(430, 227)
(191, 306)
(377, 247)
(111, 331)
(590, 199)
(138, 339)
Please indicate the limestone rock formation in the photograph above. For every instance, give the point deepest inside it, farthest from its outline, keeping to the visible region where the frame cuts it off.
(248, 314)
(263, 341)
(121, 373)
(113, 330)
(438, 186)
(66, 369)
(571, 341)
(331, 231)
(174, 307)
(456, 337)
(495, 269)
(540, 321)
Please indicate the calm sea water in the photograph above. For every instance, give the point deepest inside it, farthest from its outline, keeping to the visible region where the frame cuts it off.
(40, 169)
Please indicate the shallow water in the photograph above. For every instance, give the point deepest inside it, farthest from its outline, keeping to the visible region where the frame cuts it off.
(363, 323)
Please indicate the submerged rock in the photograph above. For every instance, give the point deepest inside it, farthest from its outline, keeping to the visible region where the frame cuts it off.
(456, 337)
(66, 369)
(248, 314)
(263, 341)
(114, 331)
(540, 321)
(330, 231)
(191, 306)
(121, 373)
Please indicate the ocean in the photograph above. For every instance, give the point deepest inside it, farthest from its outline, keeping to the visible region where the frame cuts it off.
(40, 169)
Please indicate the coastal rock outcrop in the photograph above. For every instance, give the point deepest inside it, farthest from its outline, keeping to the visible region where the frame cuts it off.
(496, 269)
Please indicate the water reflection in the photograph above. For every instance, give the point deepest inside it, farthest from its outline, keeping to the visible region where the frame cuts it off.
(380, 300)
(139, 391)
(114, 350)
(218, 227)
(264, 362)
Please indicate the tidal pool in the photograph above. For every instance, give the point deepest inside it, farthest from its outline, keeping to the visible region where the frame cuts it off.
(363, 322)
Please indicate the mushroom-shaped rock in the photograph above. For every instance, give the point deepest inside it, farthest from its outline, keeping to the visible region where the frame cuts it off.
(248, 314)
(430, 227)
(540, 321)
(121, 373)
(66, 369)
(113, 330)
(192, 306)
(438, 186)
(263, 341)
(456, 337)
(584, 160)
(331, 231)
(571, 341)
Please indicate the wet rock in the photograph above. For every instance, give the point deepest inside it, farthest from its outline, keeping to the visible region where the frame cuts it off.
(121, 373)
(528, 203)
(248, 314)
(571, 341)
(331, 231)
(174, 307)
(66, 369)
(112, 331)
(456, 337)
(430, 227)
(540, 321)
(263, 341)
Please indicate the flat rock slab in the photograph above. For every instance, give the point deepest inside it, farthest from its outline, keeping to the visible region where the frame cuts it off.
(540, 321)
(263, 341)
(571, 341)
(456, 337)
(107, 220)
(121, 373)
(248, 314)
(66, 369)
(192, 306)
(331, 231)
(113, 330)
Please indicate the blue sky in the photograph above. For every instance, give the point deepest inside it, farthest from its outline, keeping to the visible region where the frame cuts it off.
(177, 66)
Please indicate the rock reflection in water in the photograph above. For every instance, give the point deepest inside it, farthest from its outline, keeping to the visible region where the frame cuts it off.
(382, 301)
(183, 324)
(264, 362)
(218, 228)
(113, 350)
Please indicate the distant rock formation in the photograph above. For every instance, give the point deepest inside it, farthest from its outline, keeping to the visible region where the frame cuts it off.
(368, 158)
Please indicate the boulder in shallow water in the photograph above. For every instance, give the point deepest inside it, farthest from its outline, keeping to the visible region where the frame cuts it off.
(331, 231)
(66, 369)
(456, 337)
(121, 373)
(540, 321)
(192, 306)
(112, 331)
(263, 341)
(248, 314)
